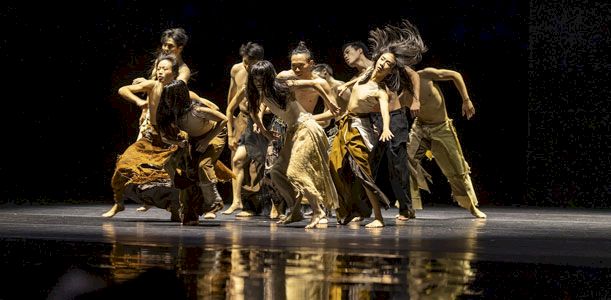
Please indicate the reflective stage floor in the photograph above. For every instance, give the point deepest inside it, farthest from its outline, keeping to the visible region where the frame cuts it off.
(61, 251)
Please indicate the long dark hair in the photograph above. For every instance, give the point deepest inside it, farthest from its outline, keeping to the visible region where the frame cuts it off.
(405, 43)
(174, 103)
(275, 90)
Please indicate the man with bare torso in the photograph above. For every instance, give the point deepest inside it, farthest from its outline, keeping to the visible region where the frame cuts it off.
(434, 131)
(247, 147)
(302, 65)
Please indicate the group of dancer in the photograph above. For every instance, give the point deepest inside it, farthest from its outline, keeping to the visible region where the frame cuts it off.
(300, 137)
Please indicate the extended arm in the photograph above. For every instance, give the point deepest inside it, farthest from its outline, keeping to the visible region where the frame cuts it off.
(443, 75)
(257, 121)
(324, 90)
(203, 100)
(128, 92)
(386, 135)
(233, 104)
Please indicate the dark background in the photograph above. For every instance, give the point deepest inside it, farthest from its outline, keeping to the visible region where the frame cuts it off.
(537, 74)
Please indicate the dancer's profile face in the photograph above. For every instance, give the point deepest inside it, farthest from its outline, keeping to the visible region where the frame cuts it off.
(169, 47)
(164, 71)
(385, 63)
(258, 81)
(351, 54)
(301, 64)
(247, 62)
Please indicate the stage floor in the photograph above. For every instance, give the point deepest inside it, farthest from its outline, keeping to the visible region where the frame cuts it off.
(518, 252)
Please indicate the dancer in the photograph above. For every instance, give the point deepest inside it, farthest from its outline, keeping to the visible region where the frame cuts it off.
(434, 131)
(193, 169)
(143, 163)
(394, 48)
(301, 170)
(247, 147)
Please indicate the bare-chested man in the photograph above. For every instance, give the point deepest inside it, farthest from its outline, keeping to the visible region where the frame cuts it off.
(325, 72)
(302, 64)
(247, 147)
(356, 54)
(434, 131)
(173, 41)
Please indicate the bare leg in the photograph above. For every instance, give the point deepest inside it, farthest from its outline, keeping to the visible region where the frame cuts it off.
(379, 221)
(237, 163)
(114, 210)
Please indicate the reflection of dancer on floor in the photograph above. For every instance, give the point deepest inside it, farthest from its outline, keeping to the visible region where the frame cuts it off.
(301, 170)
(434, 131)
(394, 49)
(241, 157)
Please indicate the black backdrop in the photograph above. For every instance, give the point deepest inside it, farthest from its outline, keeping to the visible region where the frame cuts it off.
(537, 74)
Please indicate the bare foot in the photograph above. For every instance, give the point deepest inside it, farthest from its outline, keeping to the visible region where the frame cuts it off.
(402, 218)
(316, 219)
(143, 208)
(232, 208)
(477, 213)
(357, 219)
(210, 215)
(375, 224)
(114, 210)
(323, 220)
(245, 213)
(293, 217)
(281, 218)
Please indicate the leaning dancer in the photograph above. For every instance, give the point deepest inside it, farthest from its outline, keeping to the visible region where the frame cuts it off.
(394, 48)
(143, 163)
(194, 169)
(433, 130)
(301, 170)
